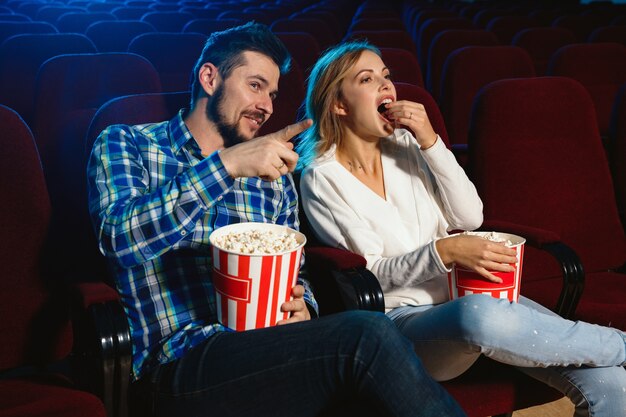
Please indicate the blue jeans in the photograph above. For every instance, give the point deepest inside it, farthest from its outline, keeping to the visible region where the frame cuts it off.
(302, 369)
(584, 361)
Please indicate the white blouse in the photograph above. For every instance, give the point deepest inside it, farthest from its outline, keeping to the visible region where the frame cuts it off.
(427, 194)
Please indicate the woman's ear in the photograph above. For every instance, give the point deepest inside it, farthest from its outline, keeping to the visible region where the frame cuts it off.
(339, 108)
(208, 77)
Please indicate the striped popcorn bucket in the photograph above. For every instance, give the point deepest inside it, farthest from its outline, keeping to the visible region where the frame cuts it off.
(250, 289)
(462, 281)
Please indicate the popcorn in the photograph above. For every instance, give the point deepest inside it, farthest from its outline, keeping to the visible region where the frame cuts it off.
(256, 242)
(491, 236)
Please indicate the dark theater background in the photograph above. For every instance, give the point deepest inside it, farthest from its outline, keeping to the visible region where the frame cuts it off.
(529, 95)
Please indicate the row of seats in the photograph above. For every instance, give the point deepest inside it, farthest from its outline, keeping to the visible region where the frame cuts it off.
(540, 132)
(78, 103)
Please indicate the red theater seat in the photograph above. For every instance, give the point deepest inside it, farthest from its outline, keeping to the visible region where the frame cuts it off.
(20, 58)
(115, 35)
(465, 72)
(600, 67)
(172, 54)
(540, 168)
(444, 44)
(541, 43)
(617, 151)
(38, 339)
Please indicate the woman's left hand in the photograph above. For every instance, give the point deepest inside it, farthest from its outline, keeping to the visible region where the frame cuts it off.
(413, 115)
(297, 307)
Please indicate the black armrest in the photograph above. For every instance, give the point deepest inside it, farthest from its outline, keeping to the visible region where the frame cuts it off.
(571, 266)
(342, 282)
(103, 353)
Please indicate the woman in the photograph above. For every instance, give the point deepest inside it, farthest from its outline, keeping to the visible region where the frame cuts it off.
(377, 180)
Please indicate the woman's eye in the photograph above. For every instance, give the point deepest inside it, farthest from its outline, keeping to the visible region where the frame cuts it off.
(366, 79)
(388, 77)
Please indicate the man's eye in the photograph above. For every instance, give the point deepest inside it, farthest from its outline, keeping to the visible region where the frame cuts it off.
(273, 96)
(255, 86)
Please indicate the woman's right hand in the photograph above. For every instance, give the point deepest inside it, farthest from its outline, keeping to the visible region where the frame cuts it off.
(478, 254)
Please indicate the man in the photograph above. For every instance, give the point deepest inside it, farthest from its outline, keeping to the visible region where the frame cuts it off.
(156, 193)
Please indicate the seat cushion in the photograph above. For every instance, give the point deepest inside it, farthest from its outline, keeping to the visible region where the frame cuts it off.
(49, 396)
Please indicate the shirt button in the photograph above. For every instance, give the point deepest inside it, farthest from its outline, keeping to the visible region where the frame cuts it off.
(184, 232)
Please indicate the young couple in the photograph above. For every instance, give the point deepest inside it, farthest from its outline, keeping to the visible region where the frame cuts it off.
(158, 190)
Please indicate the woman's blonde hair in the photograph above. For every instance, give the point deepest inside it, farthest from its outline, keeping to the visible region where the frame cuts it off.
(323, 90)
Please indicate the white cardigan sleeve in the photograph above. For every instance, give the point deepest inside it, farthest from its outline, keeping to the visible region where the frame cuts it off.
(460, 204)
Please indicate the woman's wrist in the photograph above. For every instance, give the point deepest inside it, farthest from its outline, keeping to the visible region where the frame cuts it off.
(426, 147)
(443, 247)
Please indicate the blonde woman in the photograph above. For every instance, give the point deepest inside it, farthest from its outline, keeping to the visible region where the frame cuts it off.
(379, 181)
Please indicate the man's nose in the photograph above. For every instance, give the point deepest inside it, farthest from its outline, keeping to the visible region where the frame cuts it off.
(266, 105)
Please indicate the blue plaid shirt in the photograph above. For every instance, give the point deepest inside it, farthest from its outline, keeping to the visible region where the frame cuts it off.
(154, 201)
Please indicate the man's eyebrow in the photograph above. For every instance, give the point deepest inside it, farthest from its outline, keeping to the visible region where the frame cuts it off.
(261, 78)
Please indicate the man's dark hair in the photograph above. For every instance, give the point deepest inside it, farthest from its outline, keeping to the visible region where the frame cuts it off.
(225, 50)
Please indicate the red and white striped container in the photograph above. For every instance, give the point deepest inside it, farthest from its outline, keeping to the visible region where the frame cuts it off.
(462, 281)
(250, 289)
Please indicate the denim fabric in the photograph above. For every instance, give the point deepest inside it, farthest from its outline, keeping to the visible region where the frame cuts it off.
(303, 369)
(584, 361)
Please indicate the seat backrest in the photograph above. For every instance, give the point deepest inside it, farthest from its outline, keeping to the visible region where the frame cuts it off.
(20, 58)
(69, 90)
(536, 159)
(541, 43)
(482, 18)
(303, 48)
(34, 325)
(444, 44)
(386, 39)
(79, 21)
(617, 151)
(316, 27)
(14, 17)
(580, 26)
(208, 26)
(8, 29)
(602, 79)
(172, 54)
(609, 34)
(73, 86)
(115, 35)
(52, 12)
(403, 65)
(466, 71)
(168, 21)
(287, 104)
(376, 23)
(431, 28)
(131, 12)
(134, 109)
(506, 27)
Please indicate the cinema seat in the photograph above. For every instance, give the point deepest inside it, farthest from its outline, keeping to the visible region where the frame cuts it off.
(539, 166)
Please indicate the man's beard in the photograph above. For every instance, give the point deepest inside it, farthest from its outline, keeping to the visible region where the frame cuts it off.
(229, 132)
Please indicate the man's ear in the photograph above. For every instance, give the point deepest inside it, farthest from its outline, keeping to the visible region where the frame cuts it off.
(208, 78)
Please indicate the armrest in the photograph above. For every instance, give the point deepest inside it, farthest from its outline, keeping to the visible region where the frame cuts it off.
(549, 241)
(342, 282)
(103, 352)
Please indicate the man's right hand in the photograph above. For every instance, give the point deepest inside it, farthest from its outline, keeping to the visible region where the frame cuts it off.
(269, 157)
